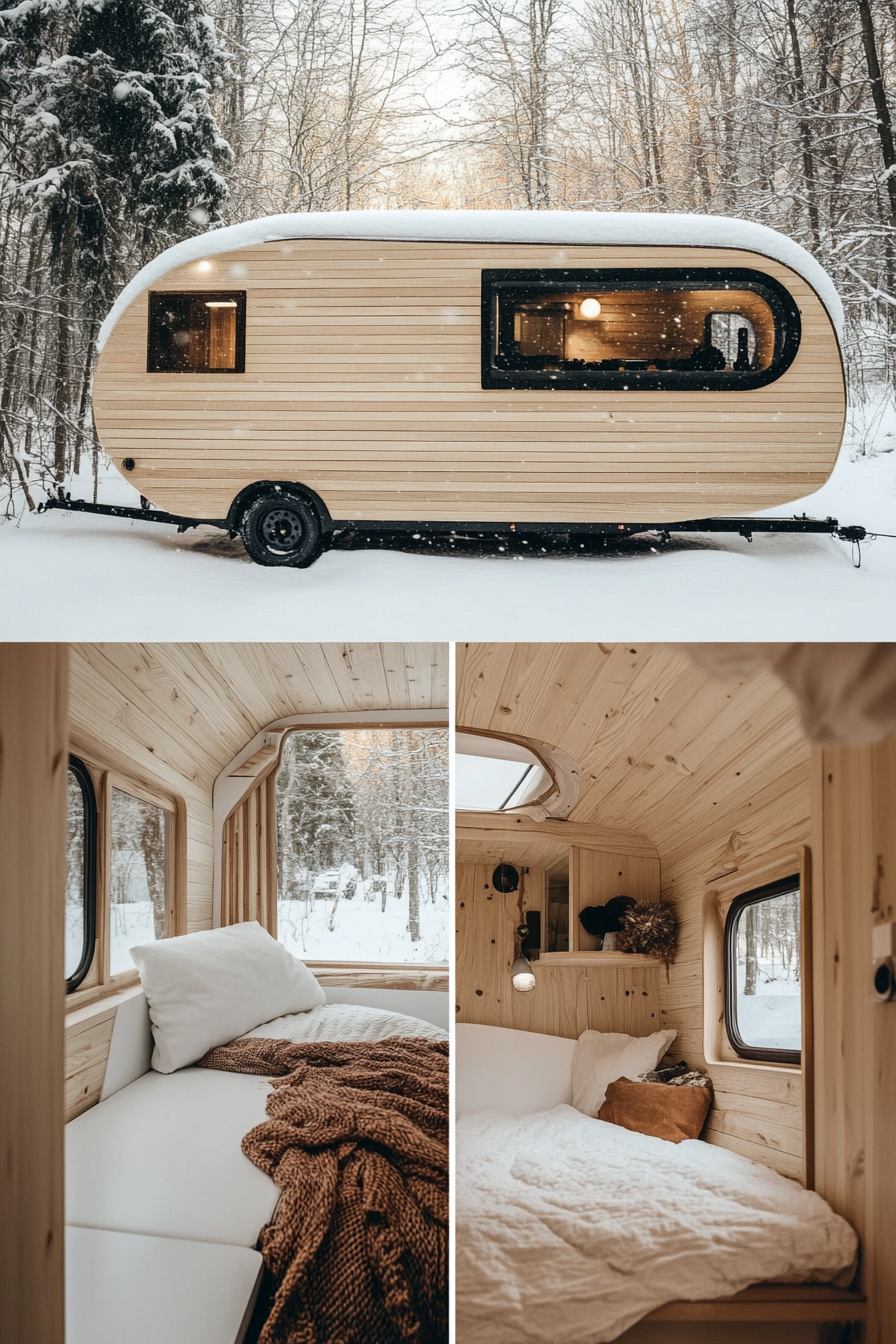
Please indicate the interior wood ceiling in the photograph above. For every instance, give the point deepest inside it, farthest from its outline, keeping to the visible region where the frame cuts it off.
(658, 743)
(185, 710)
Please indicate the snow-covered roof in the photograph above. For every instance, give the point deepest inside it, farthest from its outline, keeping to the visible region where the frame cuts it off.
(556, 227)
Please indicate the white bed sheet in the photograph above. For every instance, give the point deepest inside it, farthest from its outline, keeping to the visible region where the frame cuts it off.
(346, 1022)
(570, 1230)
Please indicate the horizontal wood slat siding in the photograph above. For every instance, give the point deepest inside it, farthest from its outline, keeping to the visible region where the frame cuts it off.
(86, 1054)
(363, 382)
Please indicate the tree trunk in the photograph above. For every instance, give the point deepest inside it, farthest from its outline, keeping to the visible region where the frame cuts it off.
(809, 175)
(881, 104)
(413, 886)
(752, 966)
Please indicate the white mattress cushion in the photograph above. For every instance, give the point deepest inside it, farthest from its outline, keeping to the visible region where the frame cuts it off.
(571, 1230)
(601, 1057)
(127, 1289)
(162, 1156)
(347, 1022)
(203, 989)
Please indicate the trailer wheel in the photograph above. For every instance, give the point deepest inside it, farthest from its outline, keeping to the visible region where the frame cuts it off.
(281, 529)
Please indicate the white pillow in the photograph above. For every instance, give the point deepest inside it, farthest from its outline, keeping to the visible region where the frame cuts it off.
(600, 1057)
(203, 989)
(347, 1022)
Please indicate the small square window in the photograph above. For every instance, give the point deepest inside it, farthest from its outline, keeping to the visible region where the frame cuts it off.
(197, 333)
(763, 973)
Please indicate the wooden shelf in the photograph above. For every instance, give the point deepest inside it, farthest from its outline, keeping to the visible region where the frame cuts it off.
(771, 1302)
(595, 959)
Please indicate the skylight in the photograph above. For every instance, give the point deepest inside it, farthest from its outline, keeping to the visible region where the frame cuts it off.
(493, 775)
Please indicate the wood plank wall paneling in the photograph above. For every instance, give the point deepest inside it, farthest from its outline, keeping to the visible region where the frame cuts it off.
(172, 716)
(714, 776)
(855, 1058)
(567, 1000)
(33, 767)
(249, 859)
(757, 1112)
(363, 381)
(86, 1054)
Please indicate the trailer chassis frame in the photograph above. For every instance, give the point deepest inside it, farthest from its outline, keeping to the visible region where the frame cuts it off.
(800, 524)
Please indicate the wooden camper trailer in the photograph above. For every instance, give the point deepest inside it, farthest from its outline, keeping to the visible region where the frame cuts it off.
(439, 370)
(652, 778)
(145, 1193)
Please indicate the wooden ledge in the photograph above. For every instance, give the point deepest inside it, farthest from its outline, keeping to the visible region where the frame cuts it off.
(771, 1302)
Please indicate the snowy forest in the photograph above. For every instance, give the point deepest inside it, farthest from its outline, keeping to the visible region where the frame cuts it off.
(769, 1004)
(127, 125)
(362, 844)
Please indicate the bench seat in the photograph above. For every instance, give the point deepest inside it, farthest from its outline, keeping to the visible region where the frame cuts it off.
(126, 1289)
(162, 1157)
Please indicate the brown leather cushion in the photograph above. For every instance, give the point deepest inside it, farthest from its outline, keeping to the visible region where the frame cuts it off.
(673, 1113)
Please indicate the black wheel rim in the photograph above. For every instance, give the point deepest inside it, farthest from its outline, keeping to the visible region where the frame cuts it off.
(282, 530)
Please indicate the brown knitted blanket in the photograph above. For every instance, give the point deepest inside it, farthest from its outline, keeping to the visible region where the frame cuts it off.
(357, 1141)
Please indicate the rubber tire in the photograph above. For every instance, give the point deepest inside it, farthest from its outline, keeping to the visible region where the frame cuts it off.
(281, 529)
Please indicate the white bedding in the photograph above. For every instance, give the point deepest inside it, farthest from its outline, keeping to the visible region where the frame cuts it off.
(570, 1230)
(346, 1022)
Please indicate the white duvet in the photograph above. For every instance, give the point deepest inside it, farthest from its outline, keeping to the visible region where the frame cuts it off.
(346, 1022)
(570, 1230)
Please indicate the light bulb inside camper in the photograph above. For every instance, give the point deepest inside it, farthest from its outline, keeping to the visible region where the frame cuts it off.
(589, 308)
(521, 975)
(222, 304)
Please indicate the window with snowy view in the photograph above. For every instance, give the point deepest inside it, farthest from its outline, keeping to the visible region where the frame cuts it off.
(362, 845)
(80, 874)
(138, 877)
(763, 973)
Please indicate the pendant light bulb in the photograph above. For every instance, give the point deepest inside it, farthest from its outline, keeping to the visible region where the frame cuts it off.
(522, 977)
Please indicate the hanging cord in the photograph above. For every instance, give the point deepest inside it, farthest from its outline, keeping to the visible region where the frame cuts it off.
(869, 537)
(522, 929)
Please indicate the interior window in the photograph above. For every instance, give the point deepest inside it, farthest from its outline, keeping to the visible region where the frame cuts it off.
(649, 329)
(138, 892)
(494, 775)
(763, 1011)
(197, 333)
(80, 874)
(362, 845)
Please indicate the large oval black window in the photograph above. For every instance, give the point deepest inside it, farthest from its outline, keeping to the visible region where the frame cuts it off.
(688, 329)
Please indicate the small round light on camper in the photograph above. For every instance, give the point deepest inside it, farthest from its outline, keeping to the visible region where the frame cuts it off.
(204, 266)
(589, 308)
(128, 464)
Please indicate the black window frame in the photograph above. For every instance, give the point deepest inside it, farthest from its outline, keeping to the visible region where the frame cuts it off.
(213, 295)
(88, 794)
(785, 312)
(737, 906)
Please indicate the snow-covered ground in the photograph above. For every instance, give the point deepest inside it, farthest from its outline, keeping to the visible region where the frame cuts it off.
(358, 929)
(132, 924)
(81, 578)
(772, 1017)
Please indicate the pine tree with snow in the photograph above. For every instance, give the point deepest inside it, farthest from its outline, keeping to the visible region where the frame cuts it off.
(113, 100)
(113, 153)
